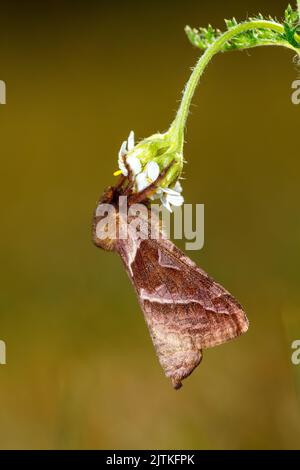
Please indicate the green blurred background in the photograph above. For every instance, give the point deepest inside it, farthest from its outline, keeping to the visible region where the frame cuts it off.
(81, 370)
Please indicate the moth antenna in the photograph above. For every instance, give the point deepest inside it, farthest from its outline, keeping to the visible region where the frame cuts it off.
(120, 182)
(130, 178)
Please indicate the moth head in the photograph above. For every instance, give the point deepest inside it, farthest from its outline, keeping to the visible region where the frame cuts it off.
(105, 222)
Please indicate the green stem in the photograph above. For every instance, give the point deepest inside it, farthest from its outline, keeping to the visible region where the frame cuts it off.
(178, 124)
(298, 6)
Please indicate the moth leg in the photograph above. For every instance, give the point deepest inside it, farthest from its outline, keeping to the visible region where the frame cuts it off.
(120, 182)
(107, 196)
(130, 177)
(149, 190)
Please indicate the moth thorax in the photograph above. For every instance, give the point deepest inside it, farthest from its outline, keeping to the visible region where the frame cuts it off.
(105, 227)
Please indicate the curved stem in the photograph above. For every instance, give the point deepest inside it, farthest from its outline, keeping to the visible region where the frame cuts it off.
(180, 120)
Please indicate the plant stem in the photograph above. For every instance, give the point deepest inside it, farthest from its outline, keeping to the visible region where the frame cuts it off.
(178, 124)
(298, 6)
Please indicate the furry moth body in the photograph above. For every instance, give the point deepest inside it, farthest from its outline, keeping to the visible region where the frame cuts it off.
(186, 311)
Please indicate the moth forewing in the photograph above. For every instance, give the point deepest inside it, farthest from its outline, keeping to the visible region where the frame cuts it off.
(186, 311)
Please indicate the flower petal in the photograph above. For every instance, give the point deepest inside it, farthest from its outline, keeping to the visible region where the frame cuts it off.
(170, 191)
(178, 187)
(123, 149)
(175, 200)
(152, 170)
(141, 181)
(122, 153)
(166, 203)
(134, 164)
(130, 142)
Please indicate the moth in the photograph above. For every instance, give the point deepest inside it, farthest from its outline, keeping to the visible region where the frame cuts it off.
(186, 310)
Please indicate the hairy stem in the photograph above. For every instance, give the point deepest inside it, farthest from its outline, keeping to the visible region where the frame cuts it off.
(178, 124)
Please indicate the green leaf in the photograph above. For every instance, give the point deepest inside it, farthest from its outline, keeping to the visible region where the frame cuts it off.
(204, 37)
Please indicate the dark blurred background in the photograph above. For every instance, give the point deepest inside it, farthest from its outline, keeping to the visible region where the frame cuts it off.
(81, 369)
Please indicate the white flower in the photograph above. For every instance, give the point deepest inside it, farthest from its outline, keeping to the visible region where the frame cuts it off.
(134, 164)
(178, 187)
(132, 159)
(122, 154)
(168, 196)
(172, 197)
(148, 176)
(130, 141)
(152, 170)
(176, 200)
(141, 181)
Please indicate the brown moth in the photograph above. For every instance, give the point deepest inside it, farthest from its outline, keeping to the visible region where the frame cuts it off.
(186, 311)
